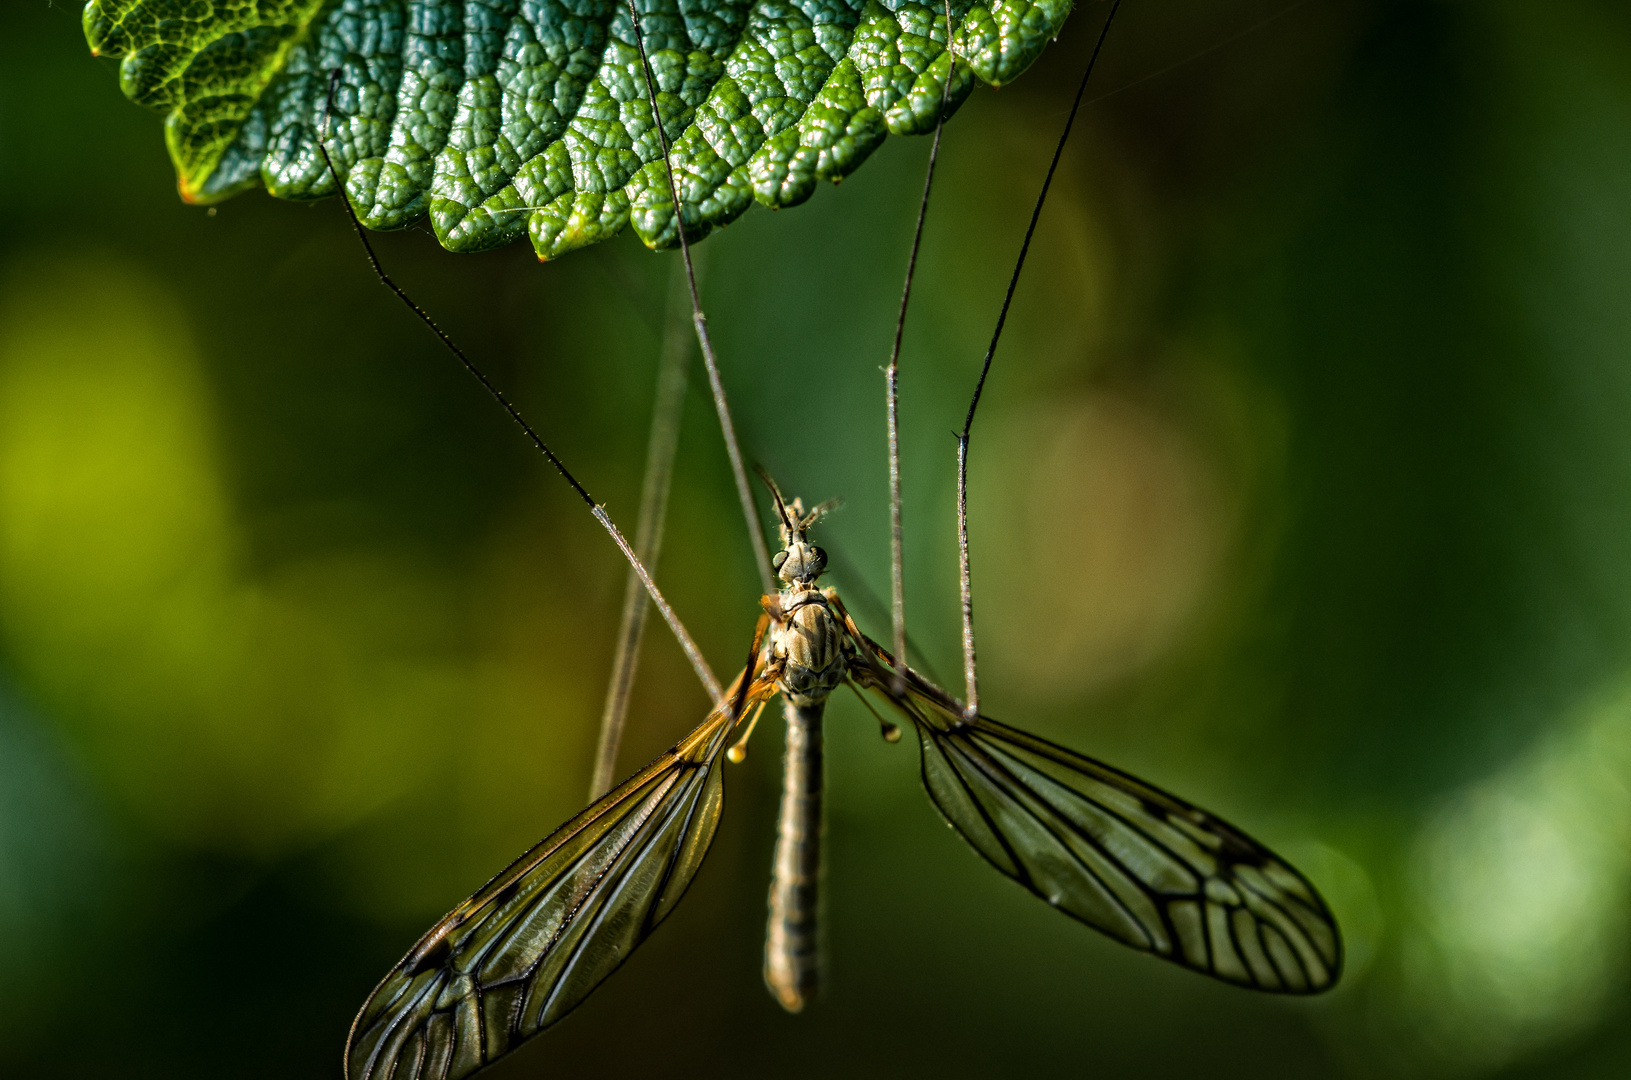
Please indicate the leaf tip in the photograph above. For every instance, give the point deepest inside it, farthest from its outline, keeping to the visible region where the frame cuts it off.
(190, 194)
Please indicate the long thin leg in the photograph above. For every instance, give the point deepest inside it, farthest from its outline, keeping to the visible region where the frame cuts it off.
(692, 653)
(733, 450)
(971, 694)
(792, 938)
(666, 413)
(891, 379)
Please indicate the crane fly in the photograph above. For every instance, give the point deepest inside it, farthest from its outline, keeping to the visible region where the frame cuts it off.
(1102, 846)
(1110, 850)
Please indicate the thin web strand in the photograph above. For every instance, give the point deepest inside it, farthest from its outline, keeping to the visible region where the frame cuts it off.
(1246, 32)
(662, 445)
(971, 682)
(692, 652)
(733, 449)
(891, 379)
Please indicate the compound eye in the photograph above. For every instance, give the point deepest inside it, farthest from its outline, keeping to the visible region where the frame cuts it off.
(777, 560)
(817, 561)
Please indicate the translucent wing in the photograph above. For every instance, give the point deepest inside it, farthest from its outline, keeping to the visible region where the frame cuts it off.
(1116, 853)
(523, 951)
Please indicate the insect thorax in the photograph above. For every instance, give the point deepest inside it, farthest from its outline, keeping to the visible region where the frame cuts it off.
(808, 638)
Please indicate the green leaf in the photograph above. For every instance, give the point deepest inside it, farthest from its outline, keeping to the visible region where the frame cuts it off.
(498, 117)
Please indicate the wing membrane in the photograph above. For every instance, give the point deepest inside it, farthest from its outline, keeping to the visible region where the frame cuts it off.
(534, 941)
(1123, 856)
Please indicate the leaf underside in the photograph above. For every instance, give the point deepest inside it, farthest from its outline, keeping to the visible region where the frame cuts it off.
(498, 117)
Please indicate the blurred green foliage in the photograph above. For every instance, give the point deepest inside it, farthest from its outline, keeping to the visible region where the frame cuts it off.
(1304, 489)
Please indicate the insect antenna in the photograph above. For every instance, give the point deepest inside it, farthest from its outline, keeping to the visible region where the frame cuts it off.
(692, 652)
(822, 510)
(971, 696)
(789, 522)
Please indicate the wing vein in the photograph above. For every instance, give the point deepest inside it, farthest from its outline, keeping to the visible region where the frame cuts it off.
(1142, 830)
(646, 834)
(1292, 920)
(1092, 842)
(985, 815)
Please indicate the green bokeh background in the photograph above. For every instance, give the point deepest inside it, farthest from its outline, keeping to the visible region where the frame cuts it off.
(1303, 488)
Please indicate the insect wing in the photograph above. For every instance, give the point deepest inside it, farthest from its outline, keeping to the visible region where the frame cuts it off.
(532, 944)
(1129, 859)
(1116, 853)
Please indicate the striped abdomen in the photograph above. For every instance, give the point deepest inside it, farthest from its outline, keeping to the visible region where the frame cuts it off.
(792, 941)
